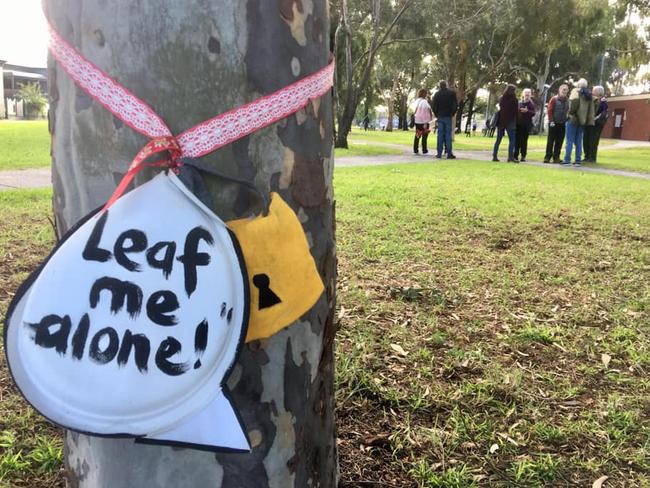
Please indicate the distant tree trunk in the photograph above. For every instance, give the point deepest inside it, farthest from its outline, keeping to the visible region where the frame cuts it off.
(471, 96)
(403, 110)
(191, 61)
(391, 107)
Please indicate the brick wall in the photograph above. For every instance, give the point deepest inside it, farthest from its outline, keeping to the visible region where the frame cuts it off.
(635, 117)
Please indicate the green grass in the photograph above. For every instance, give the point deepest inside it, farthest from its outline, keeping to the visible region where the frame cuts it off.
(31, 449)
(461, 142)
(632, 159)
(24, 144)
(504, 286)
(361, 148)
(476, 302)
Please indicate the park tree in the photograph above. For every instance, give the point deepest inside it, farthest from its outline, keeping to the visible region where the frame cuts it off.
(474, 49)
(629, 48)
(364, 26)
(556, 33)
(191, 61)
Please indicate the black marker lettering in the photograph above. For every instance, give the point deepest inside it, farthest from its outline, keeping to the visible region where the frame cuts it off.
(167, 349)
(92, 251)
(191, 259)
(138, 244)
(140, 343)
(47, 339)
(80, 336)
(107, 355)
(159, 304)
(167, 262)
(120, 291)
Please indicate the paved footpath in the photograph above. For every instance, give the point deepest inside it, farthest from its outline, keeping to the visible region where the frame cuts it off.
(42, 177)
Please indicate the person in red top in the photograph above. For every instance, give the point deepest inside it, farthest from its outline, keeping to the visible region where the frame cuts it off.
(507, 122)
(524, 124)
(557, 113)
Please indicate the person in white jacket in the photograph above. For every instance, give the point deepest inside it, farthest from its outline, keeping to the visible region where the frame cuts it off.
(423, 116)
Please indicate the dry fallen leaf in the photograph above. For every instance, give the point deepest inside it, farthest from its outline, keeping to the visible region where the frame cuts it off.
(599, 482)
(398, 349)
(605, 358)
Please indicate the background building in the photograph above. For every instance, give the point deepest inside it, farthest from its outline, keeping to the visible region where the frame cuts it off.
(629, 117)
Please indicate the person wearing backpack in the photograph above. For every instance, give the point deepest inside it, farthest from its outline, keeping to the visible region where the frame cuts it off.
(581, 115)
(422, 117)
(592, 132)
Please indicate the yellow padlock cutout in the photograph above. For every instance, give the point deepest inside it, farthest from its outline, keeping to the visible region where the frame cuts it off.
(283, 279)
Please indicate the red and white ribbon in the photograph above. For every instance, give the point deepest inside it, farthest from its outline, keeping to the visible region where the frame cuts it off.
(117, 99)
(198, 140)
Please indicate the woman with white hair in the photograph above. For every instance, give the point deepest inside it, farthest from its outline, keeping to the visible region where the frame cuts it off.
(525, 113)
(592, 132)
(581, 115)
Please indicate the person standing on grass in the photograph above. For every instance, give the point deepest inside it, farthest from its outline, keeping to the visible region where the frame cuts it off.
(507, 122)
(581, 114)
(592, 132)
(557, 112)
(423, 116)
(524, 124)
(445, 105)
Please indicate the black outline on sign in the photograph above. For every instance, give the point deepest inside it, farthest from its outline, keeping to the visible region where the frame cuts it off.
(138, 438)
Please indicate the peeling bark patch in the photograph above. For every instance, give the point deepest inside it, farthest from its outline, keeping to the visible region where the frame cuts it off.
(295, 14)
(308, 180)
(287, 169)
(295, 66)
(214, 46)
(99, 37)
(255, 437)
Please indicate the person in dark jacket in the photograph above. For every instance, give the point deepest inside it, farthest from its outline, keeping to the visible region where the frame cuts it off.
(508, 109)
(592, 132)
(444, 107)
(557, 112)
(524, 124)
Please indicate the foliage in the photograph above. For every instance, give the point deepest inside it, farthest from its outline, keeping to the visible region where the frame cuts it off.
(31, 95)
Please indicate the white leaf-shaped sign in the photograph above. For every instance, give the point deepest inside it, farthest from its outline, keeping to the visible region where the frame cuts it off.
(132, 323)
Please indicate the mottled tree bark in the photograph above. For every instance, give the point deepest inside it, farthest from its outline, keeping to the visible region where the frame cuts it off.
(190, 61)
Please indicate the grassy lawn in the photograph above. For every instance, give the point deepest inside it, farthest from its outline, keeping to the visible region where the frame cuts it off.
(633, 159)
(24, 144)
(31, 449)
(494, 328)
(364, 148)
(474, 143)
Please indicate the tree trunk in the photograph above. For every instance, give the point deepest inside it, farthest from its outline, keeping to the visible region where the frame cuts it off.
(471, 96)
(403, 111)
(191, 61)
(391, 107)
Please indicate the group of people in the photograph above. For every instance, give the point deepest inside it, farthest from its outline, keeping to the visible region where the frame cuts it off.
(579, 118)
(443, 107)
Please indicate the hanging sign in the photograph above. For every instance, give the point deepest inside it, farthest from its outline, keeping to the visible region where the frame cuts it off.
(132, 323)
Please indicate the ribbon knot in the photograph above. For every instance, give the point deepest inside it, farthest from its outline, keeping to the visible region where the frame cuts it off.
(155, 146)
